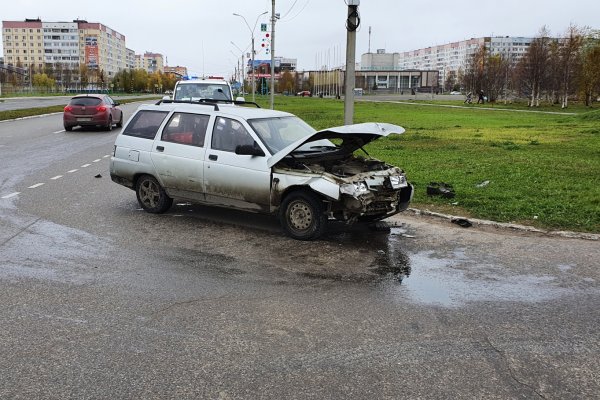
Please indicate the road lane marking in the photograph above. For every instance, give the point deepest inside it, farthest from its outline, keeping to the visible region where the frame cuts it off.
(59, 131)
(97, 160)
(108, 155)
(35, 186)
(8, 196)
(85, 165)
(56, 177)
(73, 170)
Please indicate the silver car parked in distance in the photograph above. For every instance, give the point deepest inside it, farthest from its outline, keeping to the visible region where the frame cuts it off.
(257, 160)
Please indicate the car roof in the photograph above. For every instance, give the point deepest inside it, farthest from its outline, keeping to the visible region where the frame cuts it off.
(191, 81)
(223, 109)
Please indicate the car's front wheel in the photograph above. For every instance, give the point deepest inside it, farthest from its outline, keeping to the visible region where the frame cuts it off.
(302, 215)
(151, 196)
(120, 123)
(68, 128)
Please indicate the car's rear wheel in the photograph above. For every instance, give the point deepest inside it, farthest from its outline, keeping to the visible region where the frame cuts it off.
(109, 126)
(68, 128)
(302, 215)
(151, 196)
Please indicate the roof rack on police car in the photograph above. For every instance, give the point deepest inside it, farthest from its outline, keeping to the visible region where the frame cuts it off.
(241, 103)
(201, 102)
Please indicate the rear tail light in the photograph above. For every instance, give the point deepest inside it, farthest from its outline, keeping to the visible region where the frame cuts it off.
(68, 108)
(101, 108)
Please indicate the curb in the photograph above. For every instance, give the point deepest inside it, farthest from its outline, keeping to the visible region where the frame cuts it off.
(30, 117)
(508, 226)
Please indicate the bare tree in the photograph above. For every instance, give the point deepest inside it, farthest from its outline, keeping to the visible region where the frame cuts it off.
(532, 70)
(570, 62)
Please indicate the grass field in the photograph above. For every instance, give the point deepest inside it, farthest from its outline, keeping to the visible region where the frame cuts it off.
(543, 169)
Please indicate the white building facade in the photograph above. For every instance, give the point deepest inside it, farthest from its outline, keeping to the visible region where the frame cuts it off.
(454, 56)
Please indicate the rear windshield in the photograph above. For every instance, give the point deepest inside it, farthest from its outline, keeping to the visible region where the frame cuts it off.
(85, 101)
(145, 124)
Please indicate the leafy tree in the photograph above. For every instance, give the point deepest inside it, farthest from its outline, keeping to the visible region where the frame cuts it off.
(43, 81)
(286, 82)
(589, 77)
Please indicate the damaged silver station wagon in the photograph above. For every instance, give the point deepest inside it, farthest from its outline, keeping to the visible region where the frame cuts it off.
(257, 160)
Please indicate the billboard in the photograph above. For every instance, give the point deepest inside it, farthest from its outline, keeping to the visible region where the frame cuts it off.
(91, 51)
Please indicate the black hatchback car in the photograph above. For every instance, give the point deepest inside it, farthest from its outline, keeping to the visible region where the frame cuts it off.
(92, 110)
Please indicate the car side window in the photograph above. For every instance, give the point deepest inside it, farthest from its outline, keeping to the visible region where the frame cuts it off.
(228, 134)
(186, 129)
(145, 124)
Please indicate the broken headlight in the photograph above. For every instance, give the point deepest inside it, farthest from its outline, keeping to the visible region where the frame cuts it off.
(354, 189)
(398, 181)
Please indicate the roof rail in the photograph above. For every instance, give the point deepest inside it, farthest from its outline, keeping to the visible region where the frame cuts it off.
(201, 102)
(241, 103)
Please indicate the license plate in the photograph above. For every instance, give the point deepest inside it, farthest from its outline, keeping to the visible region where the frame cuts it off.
(84, 119)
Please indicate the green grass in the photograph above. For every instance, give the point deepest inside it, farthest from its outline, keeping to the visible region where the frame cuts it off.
(544, 170)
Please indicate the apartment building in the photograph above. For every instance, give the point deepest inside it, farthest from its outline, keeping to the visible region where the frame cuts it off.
(151, 62)
(454, 56)
(177, 70)
(32, 43)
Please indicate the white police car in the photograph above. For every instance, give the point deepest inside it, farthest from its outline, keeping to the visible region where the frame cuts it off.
(257, 160)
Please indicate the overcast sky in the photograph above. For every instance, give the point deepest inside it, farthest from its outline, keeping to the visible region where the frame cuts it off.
(198, 33)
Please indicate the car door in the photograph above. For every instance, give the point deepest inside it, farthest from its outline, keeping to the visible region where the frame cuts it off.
(178, 155)
(235, 180)
(114, 110)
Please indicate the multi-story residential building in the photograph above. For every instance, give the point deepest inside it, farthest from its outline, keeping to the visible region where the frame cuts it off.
(129, 59)
(178, 70)
(151, 62)
(454, 56)
(33, 45)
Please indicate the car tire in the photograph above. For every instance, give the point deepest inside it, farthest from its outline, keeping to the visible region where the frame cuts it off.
(302, 216)
(120, 123)
(68, 128)
(151, 196)
(109, 126)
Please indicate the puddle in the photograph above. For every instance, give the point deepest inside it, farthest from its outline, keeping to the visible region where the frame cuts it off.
(444, 282)
(47, 251)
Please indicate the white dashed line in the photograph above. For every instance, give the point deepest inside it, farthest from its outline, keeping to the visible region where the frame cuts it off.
(85, 165)
(97, 160)
(59, 131)
(56, 177)
(35, 186)
(73, 170)
(8, 196)
(108, 155)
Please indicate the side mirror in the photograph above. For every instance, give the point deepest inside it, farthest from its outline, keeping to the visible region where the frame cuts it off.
(117, 103)
(166, 98)
(249, 150)
(240, 98)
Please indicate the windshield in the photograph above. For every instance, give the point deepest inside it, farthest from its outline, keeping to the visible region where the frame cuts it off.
(278, 133)
(200, 90)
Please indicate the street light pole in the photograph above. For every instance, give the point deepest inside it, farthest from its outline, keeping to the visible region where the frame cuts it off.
(253, 54)
(243, 78)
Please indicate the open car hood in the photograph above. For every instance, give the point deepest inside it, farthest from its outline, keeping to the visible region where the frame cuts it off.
(353, 137)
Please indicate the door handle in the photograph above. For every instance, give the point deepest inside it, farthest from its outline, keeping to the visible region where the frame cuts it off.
(160, 148)
(213, 157)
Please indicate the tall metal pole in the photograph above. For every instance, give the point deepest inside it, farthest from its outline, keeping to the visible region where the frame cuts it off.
(351, 26)
(252, 66)
(273, 19)
(252, 56)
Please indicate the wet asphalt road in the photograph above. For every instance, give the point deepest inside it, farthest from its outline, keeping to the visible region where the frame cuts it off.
(102, 300)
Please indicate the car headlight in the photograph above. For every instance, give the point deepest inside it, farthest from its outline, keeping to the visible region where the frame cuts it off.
(398, 181)
(354, 189)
